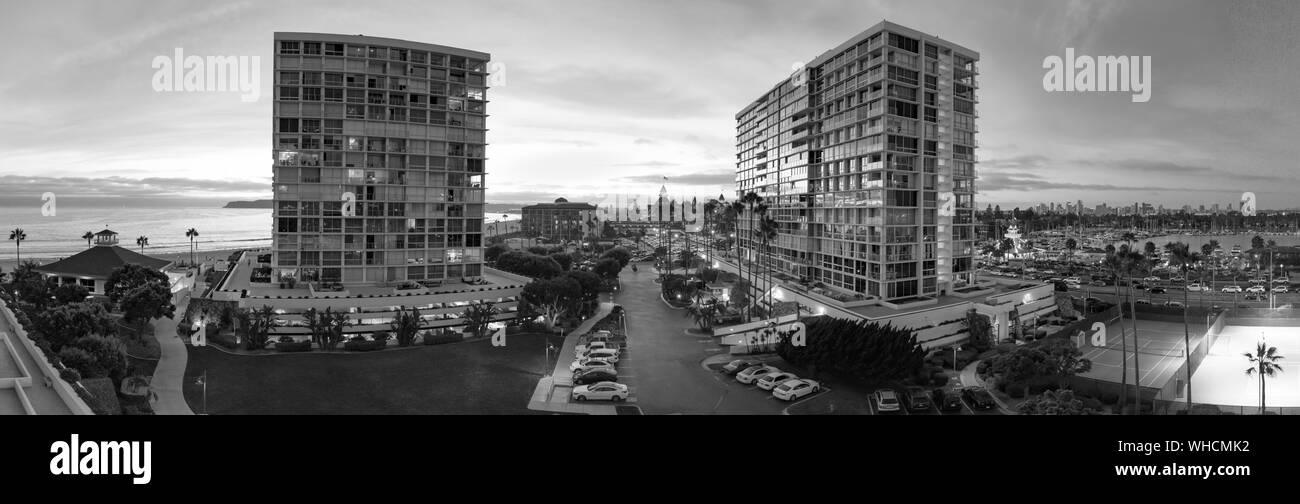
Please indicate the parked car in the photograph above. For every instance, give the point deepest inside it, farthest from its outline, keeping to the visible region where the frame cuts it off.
(947, 399)
(738, 365)
(771, 380)
(978, 398)
(1151, 279)
(887, 400)
(595, 375)
(1175, 304)
(580, 365)
(1258, 281)
(1142, 301)
(917, 399)
(1231, 289)
(1253, 296)
(1282, 280)
(753, 373)
(1073, 279)
(1196, 287)
(602, 391)
(606, 354)
(1255, 289)
(795, 389)
(1281, 289)
(1157, 290)
(594, 345)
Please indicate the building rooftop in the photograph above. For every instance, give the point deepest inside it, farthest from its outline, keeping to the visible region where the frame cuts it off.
(100, 261)
(407, 44)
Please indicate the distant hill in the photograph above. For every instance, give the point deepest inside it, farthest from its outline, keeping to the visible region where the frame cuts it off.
(490, 208)
(262, 203)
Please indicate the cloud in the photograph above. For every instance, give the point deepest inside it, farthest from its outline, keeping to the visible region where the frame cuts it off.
(1023, 161)
(25, 187)
(644, 141)
(650, 164)
(1031, 182)
(710, 178)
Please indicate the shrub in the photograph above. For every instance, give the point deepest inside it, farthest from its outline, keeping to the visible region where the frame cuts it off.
(433, 338)
(286, 339)
(356, 338)
(292, 346)
(1092, 403)
(80, 361)
(102, 396)
(363, 345)
(1015, 390)
(222, 340)
(381, 336)
(70, 375)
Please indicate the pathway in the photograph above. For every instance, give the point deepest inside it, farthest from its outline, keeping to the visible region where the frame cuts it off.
(169, 376)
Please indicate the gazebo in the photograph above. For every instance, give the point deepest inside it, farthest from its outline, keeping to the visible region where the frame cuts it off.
(90, 268)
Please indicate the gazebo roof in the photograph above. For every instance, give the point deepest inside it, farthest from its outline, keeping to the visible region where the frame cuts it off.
(99, 262)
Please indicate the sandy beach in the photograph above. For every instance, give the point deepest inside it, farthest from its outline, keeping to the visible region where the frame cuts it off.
(7, 265)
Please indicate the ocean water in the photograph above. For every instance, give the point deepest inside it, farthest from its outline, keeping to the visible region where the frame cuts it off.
(219, 229)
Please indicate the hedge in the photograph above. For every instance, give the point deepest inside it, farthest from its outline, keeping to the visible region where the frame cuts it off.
(300, 346)
(364, 346)
(100, 396)
(438, 339)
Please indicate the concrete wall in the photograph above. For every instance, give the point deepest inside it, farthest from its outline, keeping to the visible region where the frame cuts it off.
(63, 388)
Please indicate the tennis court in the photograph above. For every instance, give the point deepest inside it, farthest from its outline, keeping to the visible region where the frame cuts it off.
(1159, 352)
(1222, 379)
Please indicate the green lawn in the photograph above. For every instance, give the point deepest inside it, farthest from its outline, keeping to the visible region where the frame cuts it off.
(457, 378)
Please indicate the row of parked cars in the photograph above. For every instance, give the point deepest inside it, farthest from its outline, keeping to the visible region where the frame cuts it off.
(918, 399)
(595, 372)
(784, 385)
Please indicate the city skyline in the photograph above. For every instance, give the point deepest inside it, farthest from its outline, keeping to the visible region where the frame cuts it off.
(617, 109)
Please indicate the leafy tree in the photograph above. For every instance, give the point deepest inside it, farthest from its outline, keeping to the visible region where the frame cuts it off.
(335, 324)
(130, 276)
(108, 354)
(478, 316)
(528, 264)
(858, 348)
(1066, 359)
(70, 293)
(493, 252)
(1054, 402)
(61, 325)
(1257, 242)
(564, 260)
(589, 282)
(703, 313)
(406, 325)
(980, 329)
(145, 302)
(1264, 363)
(608, 268)
(257, 326)
(622, 255)
(553, 297)
(1071, 245)
(1022, 364)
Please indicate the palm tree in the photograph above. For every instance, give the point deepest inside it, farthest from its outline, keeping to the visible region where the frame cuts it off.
(1263, 363)
(751, 200)
(766, 232)
(142, 241)
(192, 234)
(87, 236)
(18, 235)
(1135, 265)
(1181, 257)
(710, 207)
(1114, 262)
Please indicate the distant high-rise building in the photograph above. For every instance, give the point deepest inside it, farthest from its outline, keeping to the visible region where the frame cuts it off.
(1214, 208)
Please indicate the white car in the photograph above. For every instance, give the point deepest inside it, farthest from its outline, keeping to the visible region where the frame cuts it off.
(1282, 280)
(1072, 280)
(771, 380)
(1258, 281)
(600, 391)
(593, 345)
(794, 389)
(1281, 289)
(887, 400)
(750, 375)
(1151, 279)
(580, 365)
(1231, 289)
(605, 354)
(1195, 287)
(1174, 304)
(1256, 289)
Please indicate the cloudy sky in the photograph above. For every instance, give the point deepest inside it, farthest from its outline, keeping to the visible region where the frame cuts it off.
(612, 96)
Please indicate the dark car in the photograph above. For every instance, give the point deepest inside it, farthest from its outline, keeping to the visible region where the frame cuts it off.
(978, 398)
(1157, 290)
(947, 400)
(917, 399)
(595, 375)
(738, 365)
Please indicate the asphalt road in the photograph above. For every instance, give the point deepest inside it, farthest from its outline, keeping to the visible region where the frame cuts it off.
(663, 361)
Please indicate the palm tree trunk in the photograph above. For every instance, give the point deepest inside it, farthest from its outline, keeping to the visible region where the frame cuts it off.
(1137, 370)
(19, 250)
(1187, 345)
(1123, 364)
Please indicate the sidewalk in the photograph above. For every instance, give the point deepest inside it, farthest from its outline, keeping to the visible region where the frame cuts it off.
(552, 392)
(169, 375)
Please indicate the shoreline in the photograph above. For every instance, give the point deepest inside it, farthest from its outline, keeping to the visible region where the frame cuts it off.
(7, 265)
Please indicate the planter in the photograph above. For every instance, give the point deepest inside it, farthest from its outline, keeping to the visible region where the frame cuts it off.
(364, 346)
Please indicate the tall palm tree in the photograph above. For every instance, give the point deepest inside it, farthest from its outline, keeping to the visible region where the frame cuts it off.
(1181, 257)
(1136, 266)
(87, 236)
(142, 241)
(765, 233)
(751, 200)
(710, 207)
(192, 233)
(1114, 263)
(1263, 363)
(18, 235)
